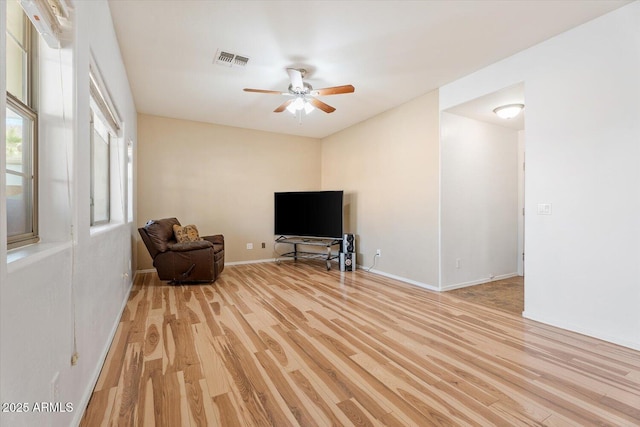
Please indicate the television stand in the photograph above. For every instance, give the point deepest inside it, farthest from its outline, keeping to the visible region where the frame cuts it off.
(309, 241)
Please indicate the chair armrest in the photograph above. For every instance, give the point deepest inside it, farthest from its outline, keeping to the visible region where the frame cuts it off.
(217, 239)
(190, 246)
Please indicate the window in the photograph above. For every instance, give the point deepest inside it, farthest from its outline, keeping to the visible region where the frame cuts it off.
(21, 129)
(104, 129)
(130, 181)
(100, 176)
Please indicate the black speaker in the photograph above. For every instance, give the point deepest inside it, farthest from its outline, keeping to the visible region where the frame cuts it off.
(349, 243)
(347, 261)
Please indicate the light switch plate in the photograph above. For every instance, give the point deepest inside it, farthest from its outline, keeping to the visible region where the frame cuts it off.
(544, 208)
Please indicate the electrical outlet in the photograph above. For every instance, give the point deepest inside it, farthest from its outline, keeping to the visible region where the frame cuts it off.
(249, 245)
(378, 252)
(458, 262)
(264, 245)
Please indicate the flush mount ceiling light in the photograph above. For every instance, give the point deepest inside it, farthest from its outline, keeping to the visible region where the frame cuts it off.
(508, 111)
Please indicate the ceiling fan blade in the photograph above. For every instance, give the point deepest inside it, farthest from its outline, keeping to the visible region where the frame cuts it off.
(296, 78)
(335, 90)
(321, 105)
(283, 106)
(274, 92)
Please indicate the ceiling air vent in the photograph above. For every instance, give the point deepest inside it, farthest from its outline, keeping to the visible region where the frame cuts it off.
(229, 59)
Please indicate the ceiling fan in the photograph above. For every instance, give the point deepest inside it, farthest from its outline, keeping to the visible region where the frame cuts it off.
(303, 96)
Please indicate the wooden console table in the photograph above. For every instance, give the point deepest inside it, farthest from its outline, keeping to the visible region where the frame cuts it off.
(309, 241)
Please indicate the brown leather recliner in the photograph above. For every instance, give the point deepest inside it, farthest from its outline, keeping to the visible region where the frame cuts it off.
(199, 261)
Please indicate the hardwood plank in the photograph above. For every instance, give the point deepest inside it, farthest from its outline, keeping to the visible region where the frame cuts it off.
(127, 396)
(302, 414)
(186, 417)
(171, 411)
(211, 362)
(262, 402)
(292, 344)
(354, 413)
(316, 397)
(229, 415)
(99, 405)
(153, 345)
(153, 396)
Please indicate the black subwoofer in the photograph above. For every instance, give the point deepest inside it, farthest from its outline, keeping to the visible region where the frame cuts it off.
(349, 243)
(347, 261)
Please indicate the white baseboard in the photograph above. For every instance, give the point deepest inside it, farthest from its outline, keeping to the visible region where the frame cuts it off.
(260, 261)
(403, 279)
(569, 326)
(380, 273)
(478, 282)
(253, 261)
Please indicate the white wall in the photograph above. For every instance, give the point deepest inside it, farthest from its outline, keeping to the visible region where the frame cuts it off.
(3, 153)
(479, 201)
(521, 217)
(583, 157)
(75, 281)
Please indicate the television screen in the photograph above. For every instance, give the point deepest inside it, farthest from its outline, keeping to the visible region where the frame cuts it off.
(308, 213)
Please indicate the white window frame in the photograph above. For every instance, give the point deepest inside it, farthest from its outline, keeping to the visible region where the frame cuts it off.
(105, 138)
(102, 109)
(28, 111)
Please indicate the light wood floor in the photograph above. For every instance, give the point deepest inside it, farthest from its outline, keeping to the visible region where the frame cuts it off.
(293, 344)
(505, 294)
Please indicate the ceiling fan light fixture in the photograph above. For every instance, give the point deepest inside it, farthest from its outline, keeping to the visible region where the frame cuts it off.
(300, 104)
(308, 108)
(508, 111)
(303, 95)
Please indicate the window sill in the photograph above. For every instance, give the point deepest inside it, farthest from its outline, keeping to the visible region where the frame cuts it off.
(25, 256)
(104, 228)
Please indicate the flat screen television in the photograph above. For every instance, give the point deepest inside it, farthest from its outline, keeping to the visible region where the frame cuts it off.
(308, 213)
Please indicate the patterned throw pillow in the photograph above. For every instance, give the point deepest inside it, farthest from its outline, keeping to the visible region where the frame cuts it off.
(188, 233)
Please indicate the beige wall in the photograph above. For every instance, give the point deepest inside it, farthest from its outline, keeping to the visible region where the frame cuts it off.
(220, 178)
(389, 169)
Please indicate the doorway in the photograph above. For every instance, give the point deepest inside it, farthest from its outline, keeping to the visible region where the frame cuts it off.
(482, 191)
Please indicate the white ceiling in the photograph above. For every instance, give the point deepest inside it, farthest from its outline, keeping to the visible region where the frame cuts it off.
(391, 51)
(482, 108)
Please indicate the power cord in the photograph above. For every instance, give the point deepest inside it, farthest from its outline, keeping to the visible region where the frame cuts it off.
(375, 257)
